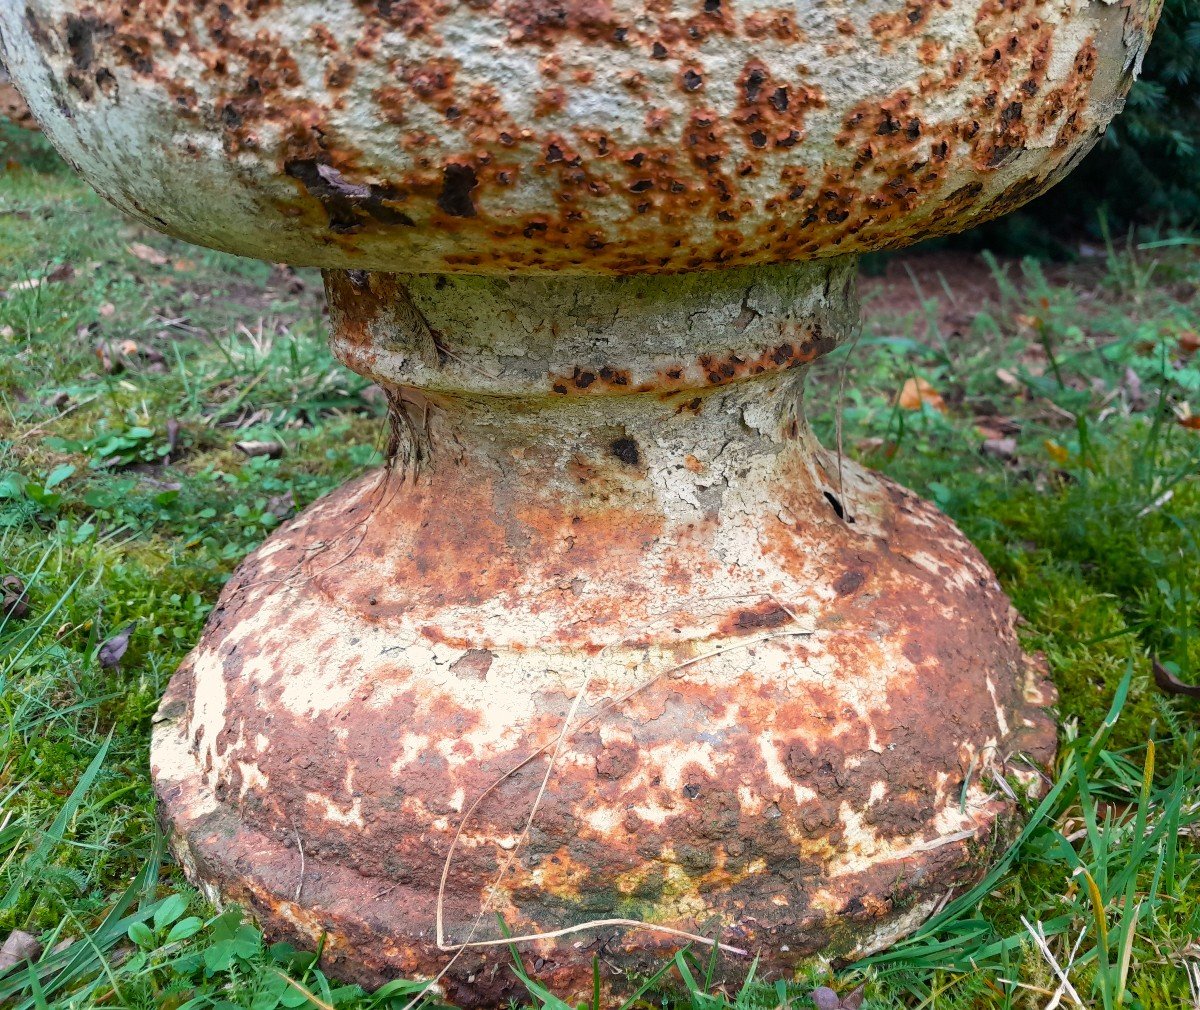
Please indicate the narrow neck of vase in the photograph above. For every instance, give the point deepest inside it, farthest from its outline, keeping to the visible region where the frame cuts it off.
(575, 338)
(669, 396)
(659, 386)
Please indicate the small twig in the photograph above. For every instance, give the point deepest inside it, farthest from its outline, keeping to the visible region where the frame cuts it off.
(1062, 412)
(937, 843)
(39, 428)
(300, 846)
(556, 745)
(1192, 970)
(386, 891)
(1158, 503)
(562, 736)
(841, 405)
(1000, 780)
(600, 924)
(1024, 985)
(931, 323)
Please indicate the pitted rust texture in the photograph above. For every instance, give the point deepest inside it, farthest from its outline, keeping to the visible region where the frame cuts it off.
(592, 136)
(794, 795)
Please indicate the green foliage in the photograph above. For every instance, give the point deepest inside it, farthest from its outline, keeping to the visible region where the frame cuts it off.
(1146, 168)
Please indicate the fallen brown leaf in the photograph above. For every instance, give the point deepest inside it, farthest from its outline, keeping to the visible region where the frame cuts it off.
(147, 254)
(916, 392)
(1027, 322)
(62, 272)
(130, 352)
(869, 446)
(108, 364)
(14, 602)
(1170, 684)
(1056, 451)
(19, 946)
(287, 277)
(996, 426)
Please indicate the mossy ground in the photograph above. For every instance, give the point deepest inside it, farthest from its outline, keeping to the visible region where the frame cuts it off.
(126, 378)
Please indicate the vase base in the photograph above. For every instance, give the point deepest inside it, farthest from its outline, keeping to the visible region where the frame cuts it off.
(784, 728)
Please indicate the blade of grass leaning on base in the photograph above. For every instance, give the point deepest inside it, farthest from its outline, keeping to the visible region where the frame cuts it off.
(921, 937)
(921, 944)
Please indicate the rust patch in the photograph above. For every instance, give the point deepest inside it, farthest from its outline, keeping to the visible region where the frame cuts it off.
(546, 21)
(850, 581)
(911, 21)
(771, 112)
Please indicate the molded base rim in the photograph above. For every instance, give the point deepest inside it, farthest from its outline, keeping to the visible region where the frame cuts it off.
(308, 901)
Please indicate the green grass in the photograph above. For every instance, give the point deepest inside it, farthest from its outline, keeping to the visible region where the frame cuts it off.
(124, 500)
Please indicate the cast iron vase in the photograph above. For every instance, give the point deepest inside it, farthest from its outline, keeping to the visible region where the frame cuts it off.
(589, 248)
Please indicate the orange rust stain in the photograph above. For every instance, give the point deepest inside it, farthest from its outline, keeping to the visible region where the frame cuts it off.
(779, 24)
(892, 27)
(771, 111)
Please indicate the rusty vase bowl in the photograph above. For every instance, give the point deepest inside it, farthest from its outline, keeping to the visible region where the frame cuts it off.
(589, 248)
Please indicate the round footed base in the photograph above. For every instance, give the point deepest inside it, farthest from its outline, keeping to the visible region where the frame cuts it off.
(782, 727)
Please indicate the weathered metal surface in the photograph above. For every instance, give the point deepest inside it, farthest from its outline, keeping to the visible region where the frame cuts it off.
(590, 136)
(600, 483)
(815, 783)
